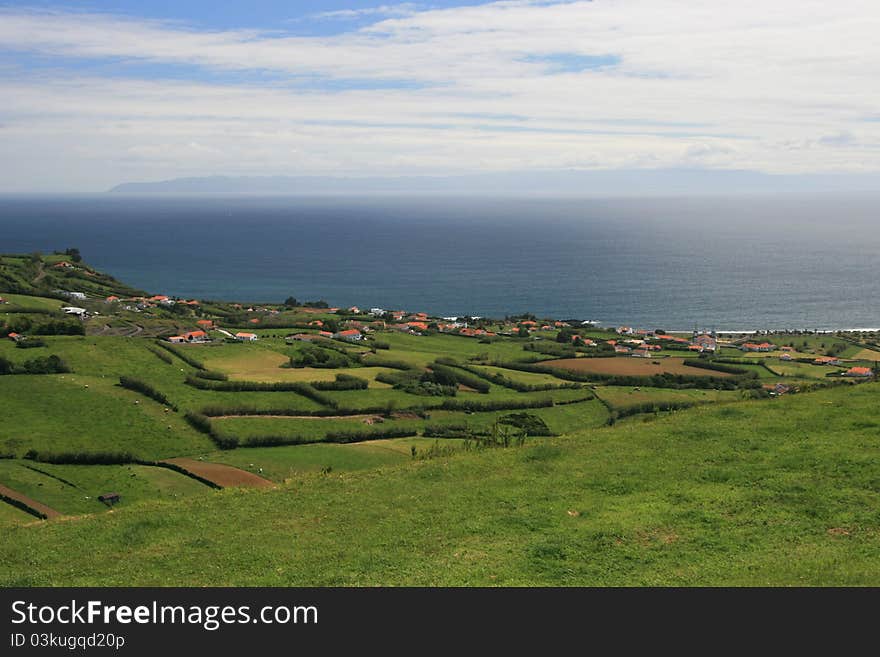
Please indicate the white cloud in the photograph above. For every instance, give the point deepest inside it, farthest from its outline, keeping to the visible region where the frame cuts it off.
(403, 9)
(740, 85)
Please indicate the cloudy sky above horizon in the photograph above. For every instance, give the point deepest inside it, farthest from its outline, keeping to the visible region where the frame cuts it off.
(101, 92)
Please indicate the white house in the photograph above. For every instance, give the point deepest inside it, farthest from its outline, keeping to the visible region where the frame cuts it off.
(80, 296)
(73, 310)
(246, 337)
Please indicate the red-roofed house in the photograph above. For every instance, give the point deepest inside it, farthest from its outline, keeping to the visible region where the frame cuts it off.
(760, 346)
(827, 360)
(176, 339)
(859, 371)
(208, 323)
(15, 337)
(195, 336)
(112, 298)
(246, 337)
(351, 335)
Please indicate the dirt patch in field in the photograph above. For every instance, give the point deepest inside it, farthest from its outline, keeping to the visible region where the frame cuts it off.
(629, 366)
(224, 476)
(28, 502)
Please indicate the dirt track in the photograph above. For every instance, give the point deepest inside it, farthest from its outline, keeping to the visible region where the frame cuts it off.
(31, 504)
(224, 476)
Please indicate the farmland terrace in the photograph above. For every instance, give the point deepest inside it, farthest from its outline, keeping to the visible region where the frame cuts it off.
(398, 448)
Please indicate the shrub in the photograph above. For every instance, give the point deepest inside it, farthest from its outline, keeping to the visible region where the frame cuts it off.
(298, 387)
(531, 424)
(81, 458)
(493, 405)
(30, 343)
(342, 382)
(161, 355)
(445, 375)
(43, 365)
(145, 389)
(186, 358)
(212, 375)
(368, 434)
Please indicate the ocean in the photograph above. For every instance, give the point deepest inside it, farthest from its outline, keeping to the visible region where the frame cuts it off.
(792, 262)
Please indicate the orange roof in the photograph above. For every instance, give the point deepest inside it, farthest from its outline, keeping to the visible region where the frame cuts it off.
(255, 320)
(112, 297)
(205, 322)
(195, 334)
(860, 371)
(350, 332)
(13, 335)
(245, 335)
(418, 325)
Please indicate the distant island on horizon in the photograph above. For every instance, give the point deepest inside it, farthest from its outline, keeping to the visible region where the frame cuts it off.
(599, 182)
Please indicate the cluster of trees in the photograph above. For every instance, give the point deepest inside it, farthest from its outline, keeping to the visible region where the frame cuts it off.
(26, 324)
(43, 365)
(313, 356)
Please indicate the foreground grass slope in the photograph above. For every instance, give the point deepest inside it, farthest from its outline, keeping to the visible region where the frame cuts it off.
(749, 493)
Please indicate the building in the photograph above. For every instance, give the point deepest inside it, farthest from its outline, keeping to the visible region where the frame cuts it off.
(15, 337)
(73, 310)
(757, 346)
(307, 337)
(79, 296)
(176, 339)
(246, 337)
(705, 342)
(195, 336)
(859, 372)
(827, 360)
(351, 335)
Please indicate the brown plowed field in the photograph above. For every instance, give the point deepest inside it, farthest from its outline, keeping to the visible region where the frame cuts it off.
(33, 504)
(629, 366)
(223, 475)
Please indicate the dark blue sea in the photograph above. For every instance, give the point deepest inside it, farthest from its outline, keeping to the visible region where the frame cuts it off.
(731, 264)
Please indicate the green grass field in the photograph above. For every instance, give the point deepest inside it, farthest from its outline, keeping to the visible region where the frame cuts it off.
(74, 489)
(58, 413)
(756, 493)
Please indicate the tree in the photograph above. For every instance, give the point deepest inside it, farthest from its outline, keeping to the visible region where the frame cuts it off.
(74, 254)
(291, 302)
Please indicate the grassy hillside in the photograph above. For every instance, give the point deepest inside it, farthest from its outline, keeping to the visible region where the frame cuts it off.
(755, 493)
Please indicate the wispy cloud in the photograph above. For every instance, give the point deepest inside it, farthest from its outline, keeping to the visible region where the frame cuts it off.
(403, 9)
(503, 85)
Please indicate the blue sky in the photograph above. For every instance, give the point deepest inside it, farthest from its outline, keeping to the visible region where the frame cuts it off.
(102, 92)
(293, 16)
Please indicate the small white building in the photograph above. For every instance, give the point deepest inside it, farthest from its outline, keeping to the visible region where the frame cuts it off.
(79, 296)
(73, 310)
(246, 337)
